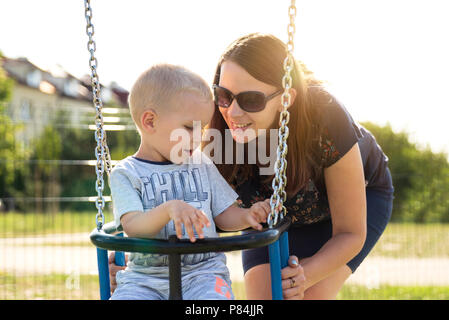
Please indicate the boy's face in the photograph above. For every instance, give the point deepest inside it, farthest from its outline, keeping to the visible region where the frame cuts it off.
(173, 135)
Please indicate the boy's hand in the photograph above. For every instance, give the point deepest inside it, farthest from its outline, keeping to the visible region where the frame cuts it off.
(258, 213)
(184, 214)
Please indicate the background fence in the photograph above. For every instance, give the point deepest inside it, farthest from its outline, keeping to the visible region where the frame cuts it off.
(47, 211)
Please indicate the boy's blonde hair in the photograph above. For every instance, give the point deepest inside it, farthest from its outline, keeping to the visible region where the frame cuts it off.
(159, 86)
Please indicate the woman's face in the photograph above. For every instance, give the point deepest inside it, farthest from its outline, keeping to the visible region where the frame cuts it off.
(244, 125)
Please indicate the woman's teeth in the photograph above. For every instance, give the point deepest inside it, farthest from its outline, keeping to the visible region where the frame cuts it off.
(241, 125)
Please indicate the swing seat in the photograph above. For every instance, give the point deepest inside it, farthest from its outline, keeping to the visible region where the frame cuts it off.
(107, 239)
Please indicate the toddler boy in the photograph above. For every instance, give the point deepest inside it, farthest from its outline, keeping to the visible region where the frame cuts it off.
(158, 192)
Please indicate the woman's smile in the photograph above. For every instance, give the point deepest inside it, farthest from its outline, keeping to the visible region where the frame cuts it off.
(240, 126)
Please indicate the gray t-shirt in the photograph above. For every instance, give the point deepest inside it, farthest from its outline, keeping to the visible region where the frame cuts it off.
(140, 185)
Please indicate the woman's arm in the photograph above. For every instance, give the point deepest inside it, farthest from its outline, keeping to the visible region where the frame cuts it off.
(345, 184)
(113, 269)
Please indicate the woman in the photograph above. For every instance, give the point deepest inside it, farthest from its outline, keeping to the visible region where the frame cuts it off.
(339, 188)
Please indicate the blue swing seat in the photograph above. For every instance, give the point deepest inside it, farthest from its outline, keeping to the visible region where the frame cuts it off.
(110, 238)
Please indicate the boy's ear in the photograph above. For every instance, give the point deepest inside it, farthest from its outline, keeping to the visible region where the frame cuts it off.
(147, 120)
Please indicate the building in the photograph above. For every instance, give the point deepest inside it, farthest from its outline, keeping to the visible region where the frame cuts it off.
(40, 97)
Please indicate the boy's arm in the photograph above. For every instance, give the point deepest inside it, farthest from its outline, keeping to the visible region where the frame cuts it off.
(232, 219)
(136, 222)
(235, 218)
(145, 224)
(148, 224)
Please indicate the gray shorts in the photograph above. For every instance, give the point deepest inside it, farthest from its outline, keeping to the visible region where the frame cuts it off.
(207, 280)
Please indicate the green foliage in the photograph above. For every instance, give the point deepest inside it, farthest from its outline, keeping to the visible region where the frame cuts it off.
(6, 85)
(48, 146)
(8, 151)
(420, 177)
(80, 144)
(7, 130)
(12, 152)
(123, 143)
(46, 180)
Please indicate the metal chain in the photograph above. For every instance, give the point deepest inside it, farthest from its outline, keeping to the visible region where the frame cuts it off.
(279, 183)
(101, 151)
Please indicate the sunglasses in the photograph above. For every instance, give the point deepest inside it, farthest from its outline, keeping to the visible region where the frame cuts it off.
(249, 101)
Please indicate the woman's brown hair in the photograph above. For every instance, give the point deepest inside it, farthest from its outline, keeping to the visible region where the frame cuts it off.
(262, 56)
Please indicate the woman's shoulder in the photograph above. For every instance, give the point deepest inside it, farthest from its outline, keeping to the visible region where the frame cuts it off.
(331, 111)
(338, 130)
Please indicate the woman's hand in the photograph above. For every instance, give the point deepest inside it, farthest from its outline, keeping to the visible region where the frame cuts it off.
(293, 280)
(113, 269)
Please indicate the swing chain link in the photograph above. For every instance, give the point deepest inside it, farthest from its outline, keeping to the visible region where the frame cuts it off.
(101, 151)
(279, 182)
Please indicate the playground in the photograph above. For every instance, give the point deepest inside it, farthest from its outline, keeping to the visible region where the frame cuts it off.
(56, 229)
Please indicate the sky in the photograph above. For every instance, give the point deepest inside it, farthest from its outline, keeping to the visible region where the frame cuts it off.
(387, 61)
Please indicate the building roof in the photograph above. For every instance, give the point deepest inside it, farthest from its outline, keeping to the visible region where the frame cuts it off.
(60, 82)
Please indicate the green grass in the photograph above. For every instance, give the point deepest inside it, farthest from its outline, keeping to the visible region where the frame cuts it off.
(48, 287)
(62, 287)
(386, 292)
(85, 287)
(239, 290)
(398, 241)
(402, 240)
(14, 224)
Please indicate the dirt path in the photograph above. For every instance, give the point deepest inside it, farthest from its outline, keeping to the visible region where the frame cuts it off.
(63, 254)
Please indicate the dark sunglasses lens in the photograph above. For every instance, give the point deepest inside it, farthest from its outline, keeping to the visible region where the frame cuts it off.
(251, 101)
(222, 97)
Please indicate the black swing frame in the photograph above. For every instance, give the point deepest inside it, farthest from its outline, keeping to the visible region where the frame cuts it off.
(107, 239)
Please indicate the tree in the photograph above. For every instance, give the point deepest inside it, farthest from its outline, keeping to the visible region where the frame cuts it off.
(420, 177)
(6, 85)
(46, 176)
(79, 144)
(12, 152)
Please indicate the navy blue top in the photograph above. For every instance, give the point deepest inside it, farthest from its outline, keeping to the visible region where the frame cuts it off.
(339, 134)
